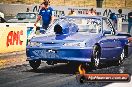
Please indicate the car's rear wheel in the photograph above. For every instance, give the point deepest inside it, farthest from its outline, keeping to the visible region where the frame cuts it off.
(123, 55)
(95, 60)
(35, 64)
(126, 51)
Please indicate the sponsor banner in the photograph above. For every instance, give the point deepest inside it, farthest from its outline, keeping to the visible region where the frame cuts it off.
(12, 39)
(81, 78)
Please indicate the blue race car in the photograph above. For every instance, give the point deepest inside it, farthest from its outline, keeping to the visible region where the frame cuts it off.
(84, 39)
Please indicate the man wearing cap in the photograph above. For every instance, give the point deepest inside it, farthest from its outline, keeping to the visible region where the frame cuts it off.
(46, 13)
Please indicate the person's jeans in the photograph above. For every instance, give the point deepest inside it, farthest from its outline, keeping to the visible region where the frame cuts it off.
(115, 25)
(129, 26)
(44, 28)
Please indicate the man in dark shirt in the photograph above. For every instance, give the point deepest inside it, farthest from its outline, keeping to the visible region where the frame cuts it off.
(113, 17)
(46, 13)
(129, 21)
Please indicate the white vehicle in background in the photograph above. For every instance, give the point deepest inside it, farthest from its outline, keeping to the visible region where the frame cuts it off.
(2, 19)
(1, 14)
(24, 17)
(27, 19)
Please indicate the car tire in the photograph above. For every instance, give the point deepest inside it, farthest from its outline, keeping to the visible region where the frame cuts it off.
(126, 51)
(95, 60)
(35, 64)
(123, 55)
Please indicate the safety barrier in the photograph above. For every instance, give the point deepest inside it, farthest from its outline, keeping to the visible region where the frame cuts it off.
(12, 38)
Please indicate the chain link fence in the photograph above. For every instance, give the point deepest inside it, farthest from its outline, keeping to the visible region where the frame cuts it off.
(79, 3)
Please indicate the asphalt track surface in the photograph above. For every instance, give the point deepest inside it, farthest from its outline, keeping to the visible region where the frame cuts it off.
(16, 72)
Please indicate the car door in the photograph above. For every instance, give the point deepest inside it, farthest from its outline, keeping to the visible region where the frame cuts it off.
(111, 46)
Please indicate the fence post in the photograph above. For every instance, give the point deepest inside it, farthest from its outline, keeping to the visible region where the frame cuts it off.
(125, 3)
(99, 3)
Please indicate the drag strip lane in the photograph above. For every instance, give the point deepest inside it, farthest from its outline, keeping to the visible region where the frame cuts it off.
(60, 75)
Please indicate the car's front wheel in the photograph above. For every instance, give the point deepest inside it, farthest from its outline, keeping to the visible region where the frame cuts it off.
(95, 60)
(35, 63)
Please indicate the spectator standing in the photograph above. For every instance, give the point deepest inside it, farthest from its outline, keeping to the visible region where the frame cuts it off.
(113, 17)
(41, 5)
(120, 12)
(72, 13)
(129, 21)
(46, 13)
(92, 12)
(2, 20)
(27, 10)
(119, 21)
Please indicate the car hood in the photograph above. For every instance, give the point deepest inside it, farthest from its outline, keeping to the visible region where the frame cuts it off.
(21, 21)
(78, 37)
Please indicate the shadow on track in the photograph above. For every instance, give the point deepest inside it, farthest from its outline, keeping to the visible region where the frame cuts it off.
(73, 68)
(59, 69)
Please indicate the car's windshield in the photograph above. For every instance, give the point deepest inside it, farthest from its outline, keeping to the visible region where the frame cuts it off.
(92, 25)
(26, 15)
(88, 25)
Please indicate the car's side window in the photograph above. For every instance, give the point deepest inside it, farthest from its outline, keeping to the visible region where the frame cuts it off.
(107, 27)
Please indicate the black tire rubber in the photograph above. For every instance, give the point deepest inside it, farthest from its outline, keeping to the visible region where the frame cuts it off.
(126, 51)
(95, 60)
(123, 55)
(35, 64)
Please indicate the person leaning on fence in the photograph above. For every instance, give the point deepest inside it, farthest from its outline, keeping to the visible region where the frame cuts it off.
(46, 13)
(129, 21)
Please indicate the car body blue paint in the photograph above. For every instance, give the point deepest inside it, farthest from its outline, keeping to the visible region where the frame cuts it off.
(54, 47)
